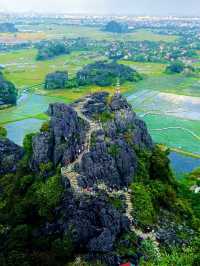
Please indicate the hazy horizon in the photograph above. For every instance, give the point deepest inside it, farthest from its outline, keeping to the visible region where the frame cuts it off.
(103, 7)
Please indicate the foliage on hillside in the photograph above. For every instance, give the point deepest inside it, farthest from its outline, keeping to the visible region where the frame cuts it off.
(178, 67)
(48, 50)
(8, 92)
(106, 74)
(56, 80)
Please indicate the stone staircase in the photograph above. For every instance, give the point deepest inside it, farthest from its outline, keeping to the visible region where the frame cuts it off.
(151, 235)
(69, 171)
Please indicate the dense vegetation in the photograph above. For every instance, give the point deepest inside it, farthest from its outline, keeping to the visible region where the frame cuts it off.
(158, 200)
(8, 92)
(106, 74)
(175, 67)
(48, 50)
(56, 80)
(28, 200)
(116, 27)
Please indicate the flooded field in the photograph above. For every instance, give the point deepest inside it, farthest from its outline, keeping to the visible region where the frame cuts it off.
(17, 130)
(32, 105)
(173, 120)
(182, 164)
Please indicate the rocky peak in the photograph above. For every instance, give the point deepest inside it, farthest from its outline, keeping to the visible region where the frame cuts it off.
(119, 102)
(64, 139)
(100, 134)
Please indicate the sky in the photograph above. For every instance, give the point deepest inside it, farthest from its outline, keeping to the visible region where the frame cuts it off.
(132, 7)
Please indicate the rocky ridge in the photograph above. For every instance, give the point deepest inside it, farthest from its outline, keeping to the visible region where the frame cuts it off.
(93, 135)
(91, 139)
(93, 147)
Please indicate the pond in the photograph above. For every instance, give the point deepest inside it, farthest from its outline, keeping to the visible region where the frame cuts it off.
(19, 120)
(182, 164)
(29, 106)
(17, 130)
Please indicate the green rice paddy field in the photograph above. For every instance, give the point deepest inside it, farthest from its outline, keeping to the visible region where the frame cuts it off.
(22, 69)
(175, 133)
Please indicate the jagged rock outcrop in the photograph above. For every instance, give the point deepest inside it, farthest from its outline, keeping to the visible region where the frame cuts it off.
(91, 221)
(112, 158)
(96, 105)
(77, 199)
(64, 139)
(10, 155)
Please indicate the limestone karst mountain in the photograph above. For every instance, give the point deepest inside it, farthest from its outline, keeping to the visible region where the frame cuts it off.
(92, 184)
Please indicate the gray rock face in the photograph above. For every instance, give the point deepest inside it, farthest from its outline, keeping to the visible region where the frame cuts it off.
(10, 155)
(97, 104)
(112, 158)
(118, 102)
(42, 149)
(64, 140)
(102, 243)
(92, 221)
(114, 163)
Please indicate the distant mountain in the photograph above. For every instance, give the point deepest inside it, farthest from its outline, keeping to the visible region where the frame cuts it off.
(8, 27)
(116, 27)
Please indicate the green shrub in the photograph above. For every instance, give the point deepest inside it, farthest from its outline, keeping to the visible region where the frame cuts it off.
(27, 143)
(114, 150)
(63, 248)
(124, 250)
(48, 194)
(3, 132)
(150, 250)
(175, 67)
(143, 209)
(143, 166)
(160, 166)
(177, 257)
(116, 202)
(105, 117)
(45, 168)
(45, 127)
(163, 194)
